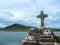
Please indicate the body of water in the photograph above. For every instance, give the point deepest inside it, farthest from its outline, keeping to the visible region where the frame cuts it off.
(57, 34)
(14, 38)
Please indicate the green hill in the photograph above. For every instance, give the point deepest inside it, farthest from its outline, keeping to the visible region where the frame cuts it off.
(20, 27)
(54, 29)
(17, 27)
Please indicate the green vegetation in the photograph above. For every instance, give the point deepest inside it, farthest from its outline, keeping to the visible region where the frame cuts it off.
(22, 28)
(56, 38)
(54, 29)
(16, 28)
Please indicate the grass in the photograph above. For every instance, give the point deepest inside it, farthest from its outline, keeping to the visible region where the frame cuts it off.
(15, 30)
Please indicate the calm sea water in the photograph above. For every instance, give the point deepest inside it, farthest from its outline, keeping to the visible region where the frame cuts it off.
(57, 33)
(14, 38)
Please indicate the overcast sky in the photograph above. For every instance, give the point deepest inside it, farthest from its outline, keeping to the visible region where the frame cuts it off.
(25, 12)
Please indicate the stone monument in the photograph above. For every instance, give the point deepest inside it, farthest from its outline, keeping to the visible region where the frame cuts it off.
(40, 36)
(42, 16)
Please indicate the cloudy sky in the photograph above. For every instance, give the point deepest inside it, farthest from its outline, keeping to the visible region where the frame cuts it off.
(25, 12)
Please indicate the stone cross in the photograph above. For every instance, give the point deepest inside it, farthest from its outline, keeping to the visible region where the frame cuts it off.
(42, 16)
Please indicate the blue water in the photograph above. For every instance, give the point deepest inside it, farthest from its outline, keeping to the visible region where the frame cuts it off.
(57, 33)
(12, 38)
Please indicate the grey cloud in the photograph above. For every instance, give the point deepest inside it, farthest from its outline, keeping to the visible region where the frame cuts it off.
(55, 21)
(4, 18)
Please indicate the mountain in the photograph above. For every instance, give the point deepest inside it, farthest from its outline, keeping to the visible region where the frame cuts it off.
(20, 27)
(54, 29)
(17, 26)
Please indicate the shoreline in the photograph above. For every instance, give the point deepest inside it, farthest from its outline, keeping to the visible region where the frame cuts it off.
(13, 31)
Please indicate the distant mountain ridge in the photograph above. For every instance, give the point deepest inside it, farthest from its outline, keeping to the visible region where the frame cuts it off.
(18, 26)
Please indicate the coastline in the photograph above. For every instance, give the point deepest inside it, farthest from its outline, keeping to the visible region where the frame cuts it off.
(15, 31)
